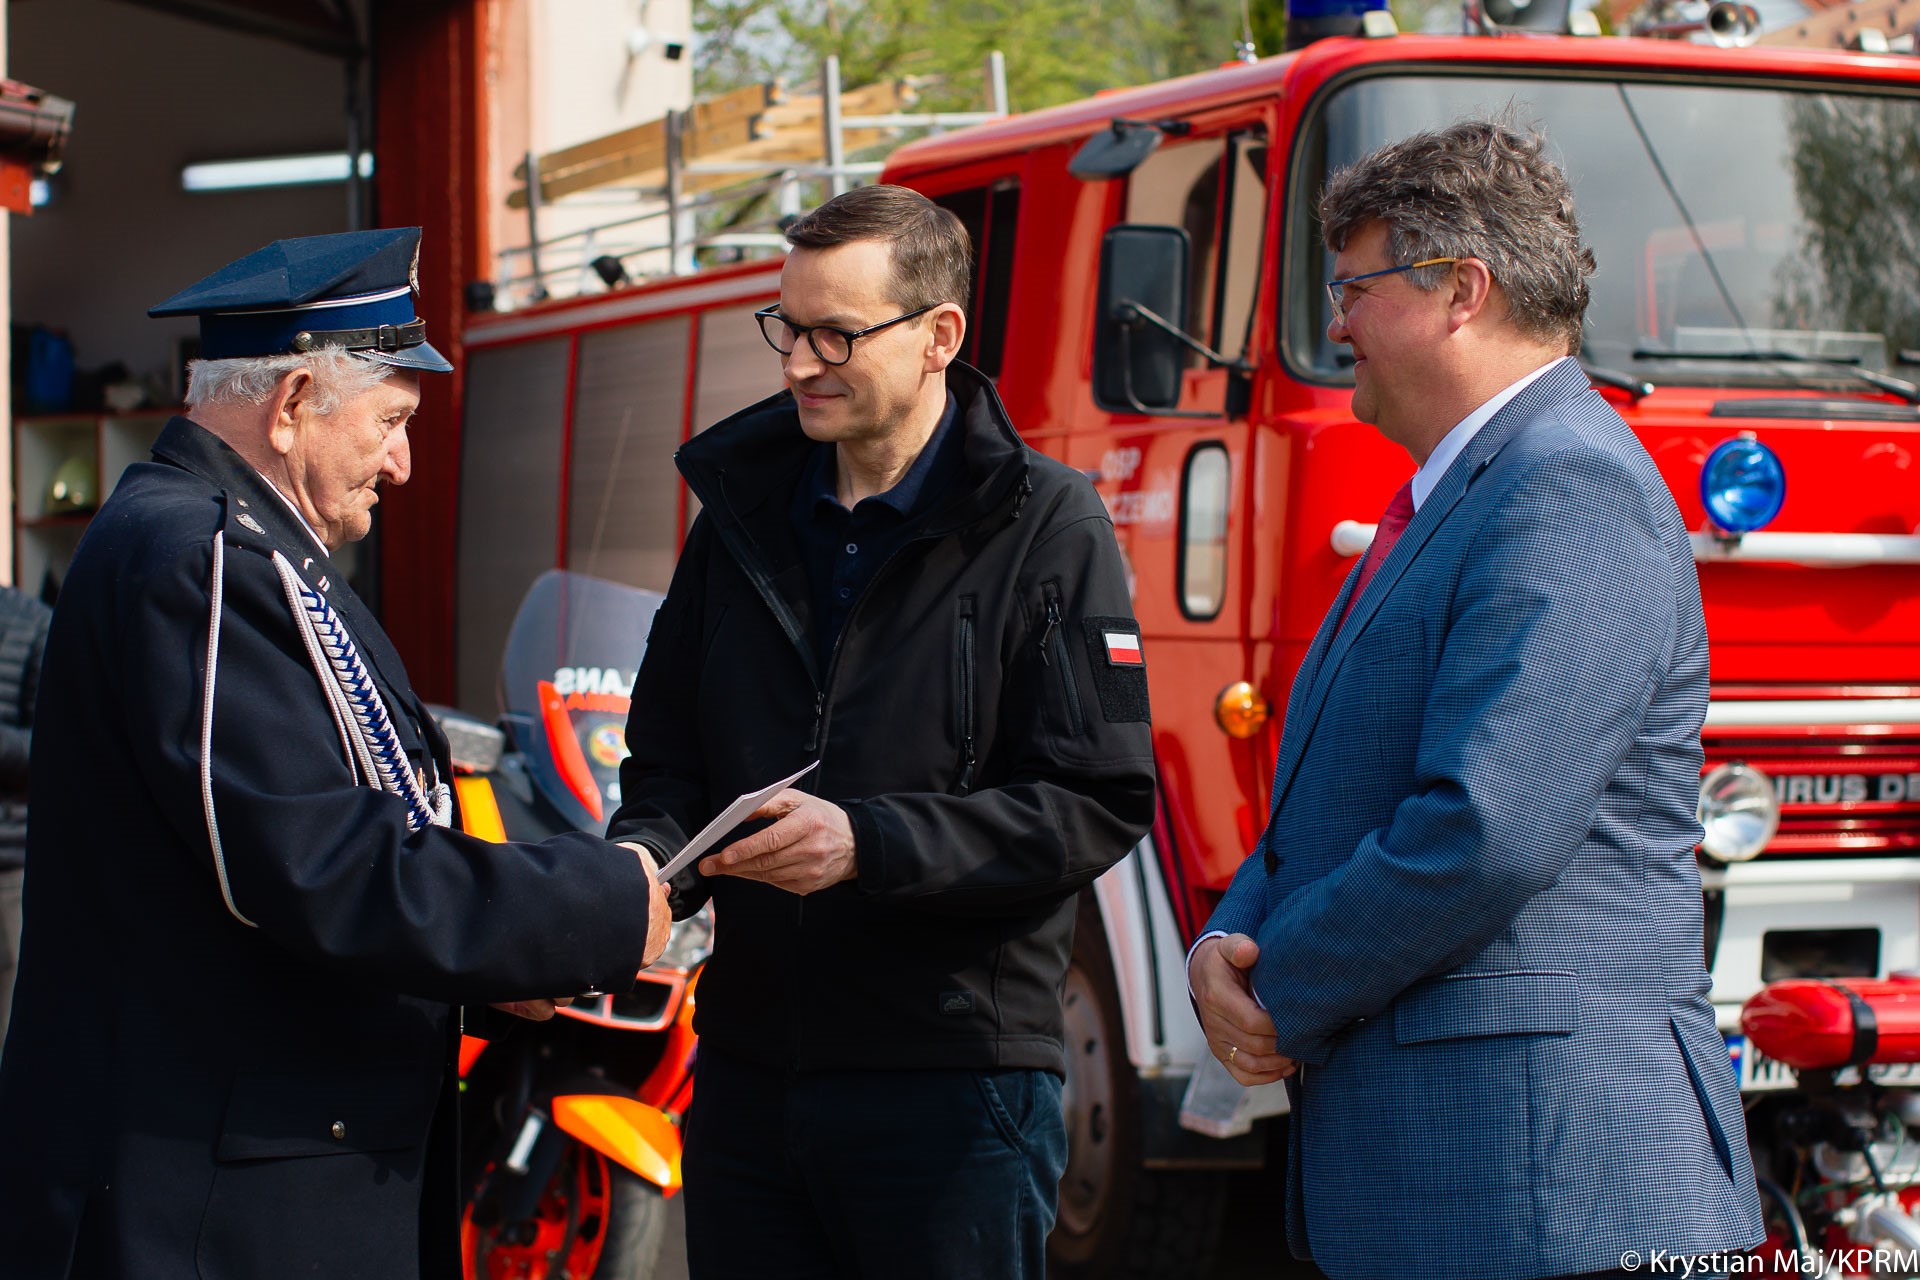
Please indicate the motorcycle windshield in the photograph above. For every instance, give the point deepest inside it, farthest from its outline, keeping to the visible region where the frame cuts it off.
(567, 683)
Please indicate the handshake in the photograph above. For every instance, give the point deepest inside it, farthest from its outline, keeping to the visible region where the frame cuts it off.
(808, 847)
(659, 928)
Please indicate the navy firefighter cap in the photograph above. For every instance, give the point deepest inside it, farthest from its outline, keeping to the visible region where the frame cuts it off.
(354, 290)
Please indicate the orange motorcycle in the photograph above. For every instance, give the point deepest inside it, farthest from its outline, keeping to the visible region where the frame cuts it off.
(571, 1139)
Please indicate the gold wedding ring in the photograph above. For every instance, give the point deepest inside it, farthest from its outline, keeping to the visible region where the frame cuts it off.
(1232, 1049)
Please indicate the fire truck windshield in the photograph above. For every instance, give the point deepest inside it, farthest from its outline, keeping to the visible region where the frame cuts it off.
(1726, 219)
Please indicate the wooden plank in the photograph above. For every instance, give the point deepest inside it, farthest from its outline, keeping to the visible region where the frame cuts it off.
(757, 123)
(795, 147)
(1836, 28)
(747, 103)
(642, 166)
(883, 98)
(652, 133)
(715, 139)
(584, 177)
(744, 103)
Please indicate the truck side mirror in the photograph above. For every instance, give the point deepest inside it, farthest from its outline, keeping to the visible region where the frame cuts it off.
(1136, 364)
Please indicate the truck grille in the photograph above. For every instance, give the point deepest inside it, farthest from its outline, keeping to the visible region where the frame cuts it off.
(1843, 792)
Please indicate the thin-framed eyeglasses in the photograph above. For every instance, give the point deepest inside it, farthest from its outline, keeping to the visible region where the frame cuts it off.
(1338, 300)
(833, 345)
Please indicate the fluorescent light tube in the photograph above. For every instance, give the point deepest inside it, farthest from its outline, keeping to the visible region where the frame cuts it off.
(271, 171)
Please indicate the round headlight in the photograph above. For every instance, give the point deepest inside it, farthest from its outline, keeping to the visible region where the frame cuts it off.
(1742, 485)
(1739, 811)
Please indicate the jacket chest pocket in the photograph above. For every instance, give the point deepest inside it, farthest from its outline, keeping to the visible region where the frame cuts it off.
(1061, 685)
(966, 692)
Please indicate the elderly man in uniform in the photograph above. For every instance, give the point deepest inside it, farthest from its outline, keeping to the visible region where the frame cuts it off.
(248, 920)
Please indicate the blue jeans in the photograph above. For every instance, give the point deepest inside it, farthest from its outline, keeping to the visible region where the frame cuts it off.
(935, 1175)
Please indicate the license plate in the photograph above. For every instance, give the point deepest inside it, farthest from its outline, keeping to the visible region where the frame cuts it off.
(1760, 1074)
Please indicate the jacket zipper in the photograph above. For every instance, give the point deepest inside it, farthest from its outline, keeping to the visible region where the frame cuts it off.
(965, 784)
(742, 550)
(819, 717)
(824, 682)
(1053, 643)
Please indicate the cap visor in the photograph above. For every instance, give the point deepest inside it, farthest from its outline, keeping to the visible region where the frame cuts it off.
(421, 356)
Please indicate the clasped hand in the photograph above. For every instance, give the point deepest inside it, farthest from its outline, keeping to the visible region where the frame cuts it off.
(1238, 1030)
(809, 848)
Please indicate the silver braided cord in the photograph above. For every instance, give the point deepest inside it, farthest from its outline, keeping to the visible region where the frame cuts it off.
(352, 744)
(206, 733)
(337, 662)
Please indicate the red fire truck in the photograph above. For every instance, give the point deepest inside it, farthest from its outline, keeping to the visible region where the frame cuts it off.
(1756, 215)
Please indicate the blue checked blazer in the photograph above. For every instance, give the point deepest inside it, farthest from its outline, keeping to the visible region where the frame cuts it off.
(1482, 932)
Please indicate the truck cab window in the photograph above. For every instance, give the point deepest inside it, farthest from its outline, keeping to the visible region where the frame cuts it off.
(991, 215)
(1204, 494)
(1215, 189)
(1726, 218)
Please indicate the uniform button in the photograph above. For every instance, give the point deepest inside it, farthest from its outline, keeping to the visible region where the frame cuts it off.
(846, 593)
(853, 548)
(340, 1130)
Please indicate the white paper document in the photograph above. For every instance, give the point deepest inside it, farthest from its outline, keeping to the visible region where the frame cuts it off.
(735, 814)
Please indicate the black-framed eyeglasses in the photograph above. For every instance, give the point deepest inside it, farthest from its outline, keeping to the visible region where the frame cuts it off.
(832, 345)
(1338, 300)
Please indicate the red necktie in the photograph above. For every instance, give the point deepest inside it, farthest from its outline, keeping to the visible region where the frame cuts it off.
(1393, 522)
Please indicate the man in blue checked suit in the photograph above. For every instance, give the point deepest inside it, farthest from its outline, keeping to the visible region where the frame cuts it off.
(1470, 936)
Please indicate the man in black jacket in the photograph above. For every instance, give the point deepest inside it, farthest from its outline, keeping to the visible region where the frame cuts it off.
(23, 639)
(886, 580)
(248, 920)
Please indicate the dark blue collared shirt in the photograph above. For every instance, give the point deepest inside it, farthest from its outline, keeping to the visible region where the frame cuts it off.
(844, 549)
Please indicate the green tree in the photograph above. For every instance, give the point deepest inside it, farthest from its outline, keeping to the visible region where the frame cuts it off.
(1269, 20)
(1057, 50)
(1856, 172)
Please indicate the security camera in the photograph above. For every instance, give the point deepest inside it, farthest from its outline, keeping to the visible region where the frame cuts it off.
(640, 39)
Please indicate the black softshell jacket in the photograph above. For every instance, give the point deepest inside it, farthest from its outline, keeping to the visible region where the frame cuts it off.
(992, 757)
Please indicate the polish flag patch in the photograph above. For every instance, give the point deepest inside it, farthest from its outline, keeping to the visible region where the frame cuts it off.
(1123, 649)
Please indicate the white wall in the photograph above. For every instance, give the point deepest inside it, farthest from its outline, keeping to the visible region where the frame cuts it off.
(566, 76)
(585, 82)
(153, 93)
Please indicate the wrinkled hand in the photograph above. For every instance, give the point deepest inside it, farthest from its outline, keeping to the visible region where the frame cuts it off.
(534, 1010)
(808, 849)
(659, 914)
(1238, 1030)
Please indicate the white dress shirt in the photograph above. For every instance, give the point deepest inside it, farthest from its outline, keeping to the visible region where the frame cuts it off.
(317, 539)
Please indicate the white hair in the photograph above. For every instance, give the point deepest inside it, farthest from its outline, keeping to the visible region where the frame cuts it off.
(338, 376)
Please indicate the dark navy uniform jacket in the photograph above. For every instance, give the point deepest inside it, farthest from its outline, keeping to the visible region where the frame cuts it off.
(186, 1095)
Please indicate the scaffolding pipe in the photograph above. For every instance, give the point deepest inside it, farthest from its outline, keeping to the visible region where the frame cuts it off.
(997, 82)
(928, 120)
(695, 203)
(676, 185)
(859, 168)
(533, 225)
(836, 141)
(784, 177)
